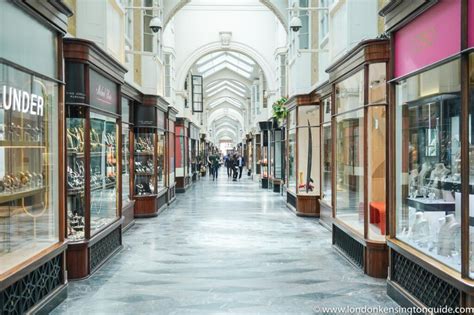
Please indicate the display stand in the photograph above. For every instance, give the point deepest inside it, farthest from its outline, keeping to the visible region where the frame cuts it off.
(171, 156)
(93, 212)
(359, 161)
(303, 187)
(183, 165)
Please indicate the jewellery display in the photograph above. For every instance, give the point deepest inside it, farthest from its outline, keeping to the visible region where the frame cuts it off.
(102, 174)
(144, 163)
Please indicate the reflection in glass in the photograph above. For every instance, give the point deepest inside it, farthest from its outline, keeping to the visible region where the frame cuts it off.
(326, 163)
(144, 168)
(180, 151)
(103, 168)
(350, 169)
(125, 162)
(471, 162)
(160, 161)
(308, 160)
(376, 135)
(292, 160)
(377, 83)
(28, 171)
(350, 93)
(428, 210)
(171, 154)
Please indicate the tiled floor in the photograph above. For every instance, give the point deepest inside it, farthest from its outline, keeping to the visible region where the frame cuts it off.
(224, 247)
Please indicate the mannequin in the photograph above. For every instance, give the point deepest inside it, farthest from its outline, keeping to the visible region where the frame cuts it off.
(425, 170)
(420, 230)
(413, 183)
(447, 236)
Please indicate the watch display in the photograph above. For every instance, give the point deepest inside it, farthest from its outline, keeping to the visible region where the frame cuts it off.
(144, 163)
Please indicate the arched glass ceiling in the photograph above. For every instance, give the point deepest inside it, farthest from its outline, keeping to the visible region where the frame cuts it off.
(213, 83)
(225, 100)
(234, 61)
(226, 88)
(223, 84)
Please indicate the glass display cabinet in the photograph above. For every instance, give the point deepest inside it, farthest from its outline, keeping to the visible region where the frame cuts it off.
(194, 151)
(358, 167)
(94, 160)
(171, 156)
(277, 153)
(130, 97)
(303, 184)
(203, 154)
(325, 202)
(265, 133)
(183, 181)
(258, 153)
(161, 151)
(144, 171)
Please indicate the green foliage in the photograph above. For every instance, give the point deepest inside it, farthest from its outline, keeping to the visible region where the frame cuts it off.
(279, 110)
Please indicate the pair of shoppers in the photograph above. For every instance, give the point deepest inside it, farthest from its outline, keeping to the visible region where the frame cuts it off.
(235, 165)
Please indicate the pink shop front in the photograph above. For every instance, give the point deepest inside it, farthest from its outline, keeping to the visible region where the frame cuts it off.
(431, 152)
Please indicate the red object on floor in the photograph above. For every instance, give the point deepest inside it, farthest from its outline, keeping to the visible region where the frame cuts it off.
(377, 215)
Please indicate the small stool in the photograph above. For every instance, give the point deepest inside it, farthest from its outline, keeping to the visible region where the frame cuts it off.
(377, 215)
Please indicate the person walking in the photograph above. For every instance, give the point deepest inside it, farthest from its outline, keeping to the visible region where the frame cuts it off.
(214, 166)
(235, 168)
(228, 164)
(241, 163)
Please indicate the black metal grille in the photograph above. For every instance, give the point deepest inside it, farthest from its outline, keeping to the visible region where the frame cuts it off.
(101, 250)
(290, 199)
(353, 249)
(29, 290)
(422, 284)
(171, 193)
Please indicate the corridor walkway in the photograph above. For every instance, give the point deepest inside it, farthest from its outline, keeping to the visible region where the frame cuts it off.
(224, 247)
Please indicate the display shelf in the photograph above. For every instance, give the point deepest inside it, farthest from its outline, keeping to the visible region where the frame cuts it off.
(144, 174)
(12, 144)
(144, 153)
(425, 204)
(6, 197)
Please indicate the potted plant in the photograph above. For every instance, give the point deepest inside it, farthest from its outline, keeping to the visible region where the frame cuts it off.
(279, 110)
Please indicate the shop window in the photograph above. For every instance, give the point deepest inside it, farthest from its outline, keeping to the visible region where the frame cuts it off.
(125, 150)
(160, 161)
(103, 161)
(172, 155)
(292, 151)
(180, 151)
(428, 163)
(471, 163)
(350, 169)
(376, 171)
(326, 182)
(377, 83)
(28, 165)
(350, 93)
(308, 149)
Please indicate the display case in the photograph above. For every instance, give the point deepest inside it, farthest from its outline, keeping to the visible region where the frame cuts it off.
(130, 96)
(258, 154)
(144, 170)
(358, 167)
(431, 156)
(265, 134)
(32, 177)
(277, 153)
(171, 156)
(303, 186)
(94, 162)
(183, 179)
(194, 151)
(325, 202)
(161, 151)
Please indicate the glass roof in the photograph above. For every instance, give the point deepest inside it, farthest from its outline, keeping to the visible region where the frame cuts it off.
(225, 100)
(234, 61)
(226, 88)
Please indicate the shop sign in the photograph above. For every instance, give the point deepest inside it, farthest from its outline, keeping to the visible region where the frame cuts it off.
(431, 37)
(22, 101)
(145, 116)
(75, 83)
(103, 92)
